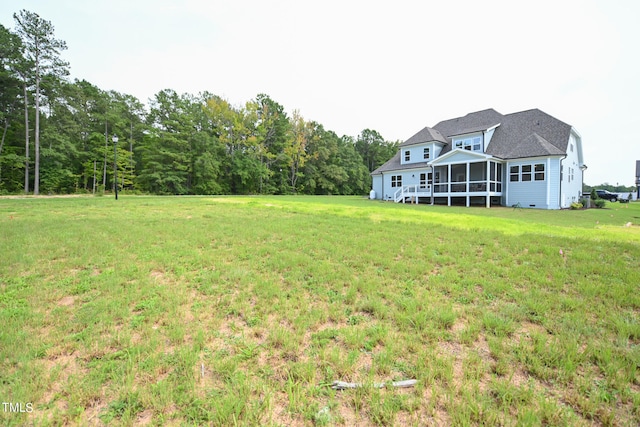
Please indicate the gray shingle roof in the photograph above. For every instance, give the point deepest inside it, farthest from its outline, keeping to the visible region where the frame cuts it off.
(472, 122)
(394, 165)
(531, 146)
(425, 135)
(529, 133)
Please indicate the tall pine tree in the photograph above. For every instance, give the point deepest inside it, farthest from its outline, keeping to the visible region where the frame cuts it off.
(42, 51)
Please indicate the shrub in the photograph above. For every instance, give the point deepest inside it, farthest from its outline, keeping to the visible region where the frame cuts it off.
(599, 203)
(594, 194)
(577, 205)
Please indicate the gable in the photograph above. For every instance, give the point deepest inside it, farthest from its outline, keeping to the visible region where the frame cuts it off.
(459, 156)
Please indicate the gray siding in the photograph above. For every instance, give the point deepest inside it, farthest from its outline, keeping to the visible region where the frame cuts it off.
(534, 194)
(571, 190)
(411, 177)
(554, 183)
(377, 186)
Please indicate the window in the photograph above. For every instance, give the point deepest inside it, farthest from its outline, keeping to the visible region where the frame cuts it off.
(526, 172)
(423, 180)
(514, 174)
(426, 153)
(396, 180)
(407, 156)
(571, 147)
(539, 171)
(470, 144)
(476, 144)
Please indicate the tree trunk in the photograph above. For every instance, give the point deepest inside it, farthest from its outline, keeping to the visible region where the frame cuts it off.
(131, 154)
(4, 134)
(36, 177)
(104, 170)
(26, 144)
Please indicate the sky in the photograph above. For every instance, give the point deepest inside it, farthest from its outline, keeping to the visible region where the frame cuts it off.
(392, 66)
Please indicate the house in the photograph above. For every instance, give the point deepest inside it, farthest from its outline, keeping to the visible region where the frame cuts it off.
(528, 159)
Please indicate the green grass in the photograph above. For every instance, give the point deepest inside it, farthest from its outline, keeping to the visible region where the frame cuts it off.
(243, 311)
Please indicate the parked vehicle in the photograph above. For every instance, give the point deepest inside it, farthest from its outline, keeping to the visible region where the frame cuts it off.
(607, 195)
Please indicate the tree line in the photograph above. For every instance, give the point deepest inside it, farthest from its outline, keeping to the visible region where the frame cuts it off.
(57, 135)
(610, 187)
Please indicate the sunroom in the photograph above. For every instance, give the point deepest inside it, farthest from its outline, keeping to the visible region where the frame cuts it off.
(466, 178)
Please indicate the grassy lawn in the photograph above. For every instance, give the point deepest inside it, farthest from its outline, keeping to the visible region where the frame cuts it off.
(244, 310)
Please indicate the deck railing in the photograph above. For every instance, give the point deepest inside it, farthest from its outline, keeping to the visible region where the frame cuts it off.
(411, 191)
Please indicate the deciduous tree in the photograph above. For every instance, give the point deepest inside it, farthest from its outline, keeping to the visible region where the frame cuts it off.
(10, 56)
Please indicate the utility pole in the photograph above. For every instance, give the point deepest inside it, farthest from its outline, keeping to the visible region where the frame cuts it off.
(115, 165)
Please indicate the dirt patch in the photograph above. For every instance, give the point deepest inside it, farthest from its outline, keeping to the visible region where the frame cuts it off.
(159, 277)
(458, 325)
(528, 328)
(456, 351)
(144, 418)
(91, 416)
(66, 301)
(59, 368)
(481, 346)
(280, 415)
(519, 378)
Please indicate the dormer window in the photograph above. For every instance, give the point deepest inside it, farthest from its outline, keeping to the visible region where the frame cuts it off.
(407, 155)
(470, 144)
(426, 154)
